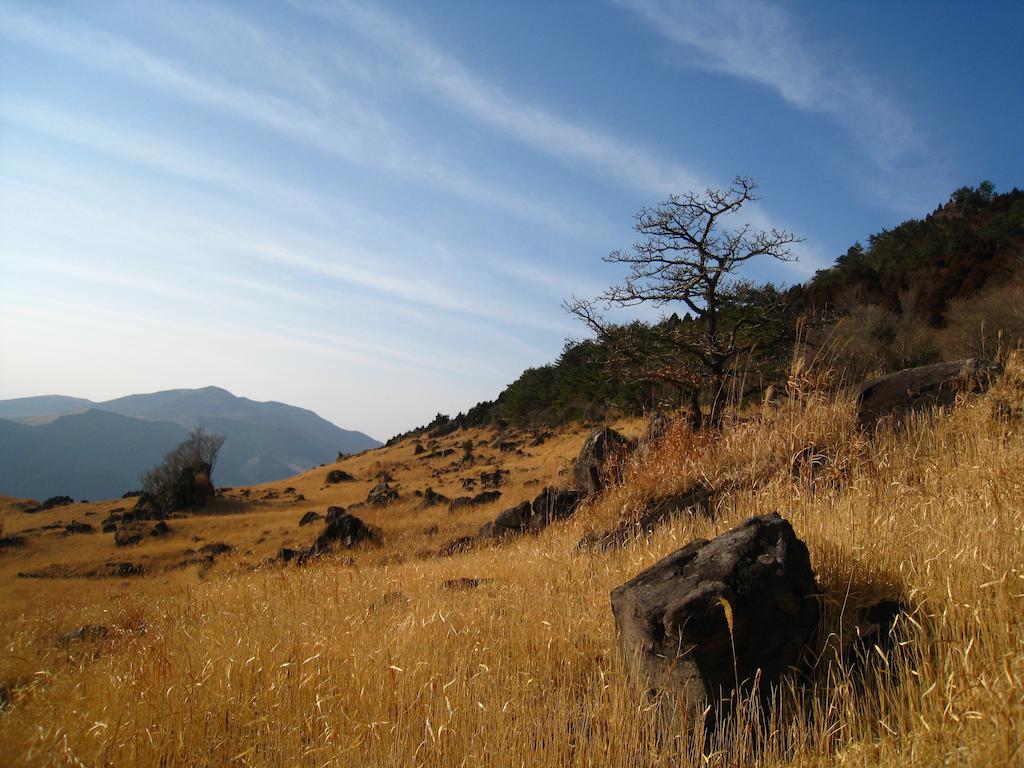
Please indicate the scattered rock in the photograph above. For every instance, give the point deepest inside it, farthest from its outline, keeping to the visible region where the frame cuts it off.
(134, 531)
(456, 546)
(76, 527)
(10, 542)
(657, 427)
(440, 454)
(309, 517)
(599, 460)
(50, 503)
(216, 548)
(553, 504)
(464, 582)
(914, 389)
(431, 530)
(130, 494)
(129, 535)
(714, 612)
(124, 570)
(381, 495)
(469, 483)
(338, 476)
(108, 526)
(347, 530)
(540, 438)
(484, 497)
(390, 599)
(84, 634)
(342, 529)
(446, 428)
(433, 498)
(696, 500)
(494, 479)
(512, 520)
(146, 508)
(418, 449)
(872, 630)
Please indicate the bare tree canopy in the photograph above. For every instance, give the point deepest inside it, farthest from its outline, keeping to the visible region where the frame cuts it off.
(688, 256)
(183, 478)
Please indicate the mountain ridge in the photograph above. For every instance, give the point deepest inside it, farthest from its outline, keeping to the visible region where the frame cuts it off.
(266, 441)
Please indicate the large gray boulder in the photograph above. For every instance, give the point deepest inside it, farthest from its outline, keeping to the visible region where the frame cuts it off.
(719, 612)
(598, 457)
(915, 389)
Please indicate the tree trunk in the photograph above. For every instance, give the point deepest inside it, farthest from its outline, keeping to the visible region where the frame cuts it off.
(717, 412)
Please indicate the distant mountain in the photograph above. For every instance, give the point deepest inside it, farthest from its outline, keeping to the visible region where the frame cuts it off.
(54, 445)
(46, 405)
(90, 455)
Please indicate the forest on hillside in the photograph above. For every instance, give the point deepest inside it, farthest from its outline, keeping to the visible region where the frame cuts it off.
(948, 286)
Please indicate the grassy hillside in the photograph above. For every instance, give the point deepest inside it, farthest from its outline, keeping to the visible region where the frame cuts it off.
(369, 659)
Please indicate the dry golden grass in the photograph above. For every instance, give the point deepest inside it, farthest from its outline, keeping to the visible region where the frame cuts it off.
(310, 666)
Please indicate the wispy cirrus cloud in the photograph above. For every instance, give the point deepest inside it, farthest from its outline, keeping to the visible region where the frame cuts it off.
(758, 41)
(438, 73)
(348, 130)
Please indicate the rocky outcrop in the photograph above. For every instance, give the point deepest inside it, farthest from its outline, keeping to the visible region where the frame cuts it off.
(738, 608)
(599, 461)
(310, 517)
(914, 389)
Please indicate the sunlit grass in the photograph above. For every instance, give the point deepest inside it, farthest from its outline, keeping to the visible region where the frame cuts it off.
(308, 666)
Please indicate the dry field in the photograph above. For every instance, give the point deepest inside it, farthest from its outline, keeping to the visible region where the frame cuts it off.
(366, 659)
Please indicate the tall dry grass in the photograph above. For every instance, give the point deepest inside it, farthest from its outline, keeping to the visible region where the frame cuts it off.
(380, 665)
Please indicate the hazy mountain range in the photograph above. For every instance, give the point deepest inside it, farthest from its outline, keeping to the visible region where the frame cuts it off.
(57, 445)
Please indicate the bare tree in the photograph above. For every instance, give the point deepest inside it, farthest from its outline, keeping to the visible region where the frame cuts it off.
(184, 477)
(688, 257)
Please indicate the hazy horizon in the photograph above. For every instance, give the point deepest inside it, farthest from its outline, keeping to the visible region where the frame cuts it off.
(375, 211)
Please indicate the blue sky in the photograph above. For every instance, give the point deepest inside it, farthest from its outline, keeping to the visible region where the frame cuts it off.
(376, 210)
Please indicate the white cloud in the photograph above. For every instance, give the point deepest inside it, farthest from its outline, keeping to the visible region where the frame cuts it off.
(757, 41)
(445, 77)
(350, 131)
